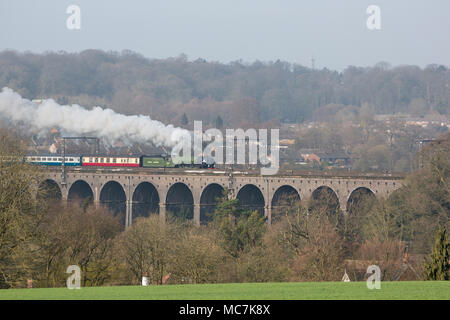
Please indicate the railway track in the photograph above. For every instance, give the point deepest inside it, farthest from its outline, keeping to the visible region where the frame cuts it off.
(227, 171)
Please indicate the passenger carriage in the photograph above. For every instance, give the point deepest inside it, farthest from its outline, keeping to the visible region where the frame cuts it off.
(54, 160)
(110, 161)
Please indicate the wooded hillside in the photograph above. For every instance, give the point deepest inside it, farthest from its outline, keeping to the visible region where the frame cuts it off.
(240, 93)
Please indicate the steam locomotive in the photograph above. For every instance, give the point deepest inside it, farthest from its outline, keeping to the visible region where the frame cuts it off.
(157, 161)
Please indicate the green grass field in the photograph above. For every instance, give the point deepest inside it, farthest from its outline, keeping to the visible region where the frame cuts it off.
(242, 291)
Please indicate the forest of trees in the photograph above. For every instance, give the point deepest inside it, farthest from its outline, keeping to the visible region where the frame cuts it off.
(309, 240)
(176, 90)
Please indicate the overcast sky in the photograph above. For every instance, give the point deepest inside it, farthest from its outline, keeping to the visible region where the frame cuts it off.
(334, 32)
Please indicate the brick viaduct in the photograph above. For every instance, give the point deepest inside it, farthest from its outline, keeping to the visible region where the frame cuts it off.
(137, 191)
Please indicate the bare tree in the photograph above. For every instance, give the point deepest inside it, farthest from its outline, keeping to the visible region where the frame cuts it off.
(20, 211)
(147, 247)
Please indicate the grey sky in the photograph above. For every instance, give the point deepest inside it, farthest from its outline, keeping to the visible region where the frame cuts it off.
(333, 31)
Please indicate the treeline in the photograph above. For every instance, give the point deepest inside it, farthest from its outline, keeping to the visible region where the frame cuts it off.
(241, 94)
(372, 146)
(308, 241)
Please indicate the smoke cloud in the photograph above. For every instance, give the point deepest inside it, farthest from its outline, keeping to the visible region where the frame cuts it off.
(76, 120)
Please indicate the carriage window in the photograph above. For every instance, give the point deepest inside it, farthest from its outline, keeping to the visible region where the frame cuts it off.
(114, 160)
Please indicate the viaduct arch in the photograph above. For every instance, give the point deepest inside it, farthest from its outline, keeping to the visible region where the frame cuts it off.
(80, 191)
(360, 198)
(193, 195)
(49, 189)
(180, 201)
(112, 195)
(145, 200)
(208, 200)
(284, 197)
(251, 198)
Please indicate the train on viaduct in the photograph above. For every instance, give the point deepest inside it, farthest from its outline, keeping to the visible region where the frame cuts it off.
(135, 193)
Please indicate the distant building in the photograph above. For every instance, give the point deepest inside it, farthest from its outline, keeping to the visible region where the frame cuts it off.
(309, 155)
(37, 101)
(333, 158)
(287, 142)
(53, 148)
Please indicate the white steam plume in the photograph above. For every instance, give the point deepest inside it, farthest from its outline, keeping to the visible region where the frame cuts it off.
(76, 120)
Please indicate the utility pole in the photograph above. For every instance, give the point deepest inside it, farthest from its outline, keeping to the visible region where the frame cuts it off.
(422, 142)
(230, 182)
(63, 164)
